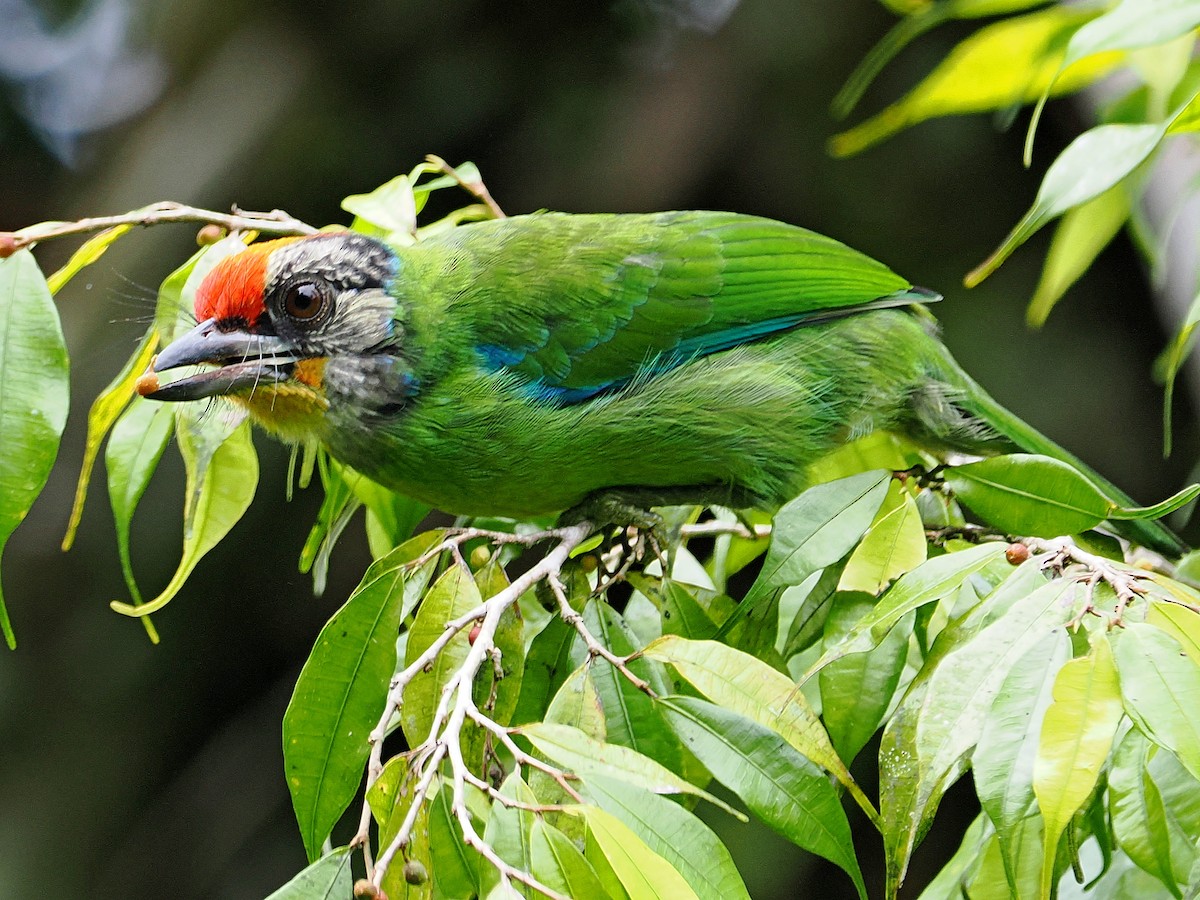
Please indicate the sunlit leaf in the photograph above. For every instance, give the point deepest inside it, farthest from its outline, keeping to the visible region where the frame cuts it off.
(783, 788)
(390, 207)
(1027, 494)
(1002, 763)
(219, 487)
(1013, 61)
(751, 688)
(559, 864)
(89, 252)
(1077, 735)
(1090, 165)
(893, 545)
(584, 755)
(105, 409)
(1134, 23)
(644, 874)
(338, 699)
(928, 739)
(1084, 231)
(577, 704)
(328, 878)
(1179, 622)
(674, 834)
(33, 404)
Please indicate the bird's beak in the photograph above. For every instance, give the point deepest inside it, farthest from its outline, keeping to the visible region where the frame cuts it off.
(246, 361)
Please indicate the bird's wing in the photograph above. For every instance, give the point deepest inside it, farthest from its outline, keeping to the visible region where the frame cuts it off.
(581, 304)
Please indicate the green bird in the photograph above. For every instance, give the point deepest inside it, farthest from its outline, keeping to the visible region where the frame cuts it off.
(556, 362)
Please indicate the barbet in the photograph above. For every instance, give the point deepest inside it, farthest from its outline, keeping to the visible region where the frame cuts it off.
(554, 362)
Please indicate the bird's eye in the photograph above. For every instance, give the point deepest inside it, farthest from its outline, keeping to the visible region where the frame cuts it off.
(305, 301)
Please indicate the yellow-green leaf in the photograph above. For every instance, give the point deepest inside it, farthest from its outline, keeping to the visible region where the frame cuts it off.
(1077, 735)
(90, 251)
(643, 873)
(894, 544)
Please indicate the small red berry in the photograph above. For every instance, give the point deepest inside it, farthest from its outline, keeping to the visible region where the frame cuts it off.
(1016, 554)
(473, 634)
(8, 244)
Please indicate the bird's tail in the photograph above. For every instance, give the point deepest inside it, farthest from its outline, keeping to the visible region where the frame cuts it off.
(983, 424)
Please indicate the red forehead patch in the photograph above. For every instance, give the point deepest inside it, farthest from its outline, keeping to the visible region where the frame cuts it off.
(234, 288)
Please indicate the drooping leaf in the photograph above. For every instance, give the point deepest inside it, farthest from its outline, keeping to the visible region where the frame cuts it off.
(220, 486)
(1031, 495)
(328, 878)
(137, 443)
(1077, 735)
(33, 404)
(749, 687)
(928, 739)
(673, 833)
(1084, 231)
(103, 414)
(1131, 24)
(1180, 623)
(508, 833)
(1160, 684)
(894, 544)
(1091, 164)
(89, 252)
(857, 690)
(1139, 820)
(456, 864)
(644, 874)
(338, 699)
(1002, 763)
(784, 789)
(1011, 62)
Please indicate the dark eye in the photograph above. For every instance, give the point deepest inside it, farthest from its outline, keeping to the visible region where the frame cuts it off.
(305, 301)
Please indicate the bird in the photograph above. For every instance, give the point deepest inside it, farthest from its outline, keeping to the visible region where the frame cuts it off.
(592, 365)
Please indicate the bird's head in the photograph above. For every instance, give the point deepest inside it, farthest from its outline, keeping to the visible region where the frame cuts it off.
(294, 326)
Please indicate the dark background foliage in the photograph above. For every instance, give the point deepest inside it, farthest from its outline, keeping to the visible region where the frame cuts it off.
(128, 770)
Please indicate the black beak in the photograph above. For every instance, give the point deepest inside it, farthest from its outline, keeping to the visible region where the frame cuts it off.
(246, 360)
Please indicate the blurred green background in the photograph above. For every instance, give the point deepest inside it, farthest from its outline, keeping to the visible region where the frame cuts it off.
(128, 770)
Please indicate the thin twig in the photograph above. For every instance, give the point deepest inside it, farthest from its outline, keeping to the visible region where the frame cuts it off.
(476, 188)
(274, 222)
(715, 528)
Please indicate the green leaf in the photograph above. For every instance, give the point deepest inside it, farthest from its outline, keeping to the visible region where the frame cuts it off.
(928, 739)
(558, 863)
(1077, 735)
(577, 703)
(219, 490)
(643, 873)
(456, 864)
(1028, 494)
(673, 833)
(498, 696)
(1002, 763)
(1091, 164)
(1131, 24)
(1180, 623)
(584, 755)
(1084, 231)
(548, 661)
(935, 579)
(452, 595)
(1011, 62)
(338, 699)
(1176, 501)
(137, 443)
(390, 798)
(1139, 820)
(508, 832)
(1161, 688)
(631, 718)
(893, 545)
(749, 687)
(89, 252)
(101, 417)
(391, 207)
(813, 531)
(949, 882)
(788, 792)
(328, 878)
(33, 404)
(857, 690)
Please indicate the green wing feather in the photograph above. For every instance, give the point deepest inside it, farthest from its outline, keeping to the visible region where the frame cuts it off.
(588, 302)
